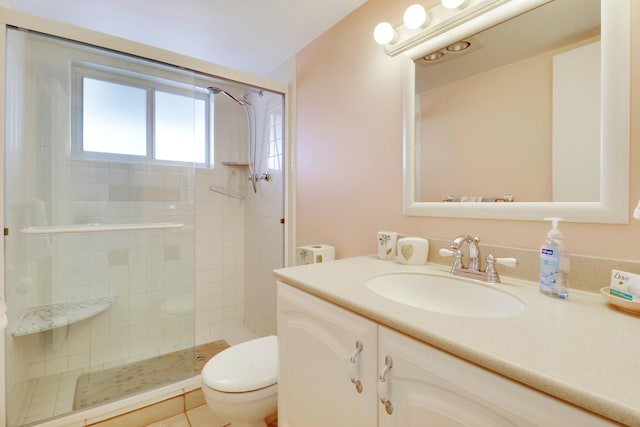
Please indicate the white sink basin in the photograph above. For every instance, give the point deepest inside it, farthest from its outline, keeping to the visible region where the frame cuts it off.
(446, 294)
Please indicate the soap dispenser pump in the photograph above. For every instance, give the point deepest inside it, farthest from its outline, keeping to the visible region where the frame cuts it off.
(554, 263)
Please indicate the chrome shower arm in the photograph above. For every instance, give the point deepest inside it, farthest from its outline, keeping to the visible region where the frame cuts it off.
(217, 90)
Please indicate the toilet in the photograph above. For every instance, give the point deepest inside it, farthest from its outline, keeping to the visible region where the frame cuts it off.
(240, 384)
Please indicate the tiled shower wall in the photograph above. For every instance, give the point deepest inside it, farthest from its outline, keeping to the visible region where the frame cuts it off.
(242, 239)
(157, 276)
(264, 220)
(219, 267)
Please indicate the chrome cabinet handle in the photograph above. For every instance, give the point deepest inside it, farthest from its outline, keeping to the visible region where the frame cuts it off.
(354, 366)
(383, 385)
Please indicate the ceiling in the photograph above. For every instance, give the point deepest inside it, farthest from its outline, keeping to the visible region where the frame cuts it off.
(255, 36)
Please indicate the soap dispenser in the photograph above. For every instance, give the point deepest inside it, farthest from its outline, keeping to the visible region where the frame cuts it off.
(554, 263)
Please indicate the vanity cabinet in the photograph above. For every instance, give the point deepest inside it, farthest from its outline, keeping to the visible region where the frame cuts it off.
(431, 387)
(422, 385)
(316, 342)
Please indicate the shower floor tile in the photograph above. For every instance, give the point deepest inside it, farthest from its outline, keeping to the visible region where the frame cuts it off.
(54, 395)
(96, 388)
(50, 396)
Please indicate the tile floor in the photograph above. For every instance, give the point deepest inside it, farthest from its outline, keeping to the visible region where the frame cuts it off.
(198, 417)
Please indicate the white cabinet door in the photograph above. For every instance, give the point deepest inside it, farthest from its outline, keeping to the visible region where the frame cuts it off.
(316, 343)
(428, 387)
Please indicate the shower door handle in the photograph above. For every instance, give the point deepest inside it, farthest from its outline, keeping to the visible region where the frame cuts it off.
(3, 314)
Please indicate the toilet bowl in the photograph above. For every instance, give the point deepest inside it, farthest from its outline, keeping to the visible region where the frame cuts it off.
(240, 384)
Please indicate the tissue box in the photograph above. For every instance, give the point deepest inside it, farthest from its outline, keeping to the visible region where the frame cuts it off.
(314, 254)
(625, 285)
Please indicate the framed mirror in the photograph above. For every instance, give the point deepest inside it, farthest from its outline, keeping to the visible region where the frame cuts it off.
(543, 119)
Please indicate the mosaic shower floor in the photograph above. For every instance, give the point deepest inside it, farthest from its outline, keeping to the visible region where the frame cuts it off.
(54, 395)
(96, 388)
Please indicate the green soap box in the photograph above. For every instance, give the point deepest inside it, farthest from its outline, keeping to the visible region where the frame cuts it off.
(625, 285)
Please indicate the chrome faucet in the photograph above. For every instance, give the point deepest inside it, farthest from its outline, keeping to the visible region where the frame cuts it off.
(474, 252)
(473, 269)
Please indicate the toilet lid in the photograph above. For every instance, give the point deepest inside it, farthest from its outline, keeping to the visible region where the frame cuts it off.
(249, 366)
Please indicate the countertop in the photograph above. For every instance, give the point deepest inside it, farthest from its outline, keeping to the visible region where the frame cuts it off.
(581, 350)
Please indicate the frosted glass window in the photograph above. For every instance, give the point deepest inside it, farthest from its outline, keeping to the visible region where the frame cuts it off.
(131, 117)
(275, 138)
(180, 128)
(114, 118)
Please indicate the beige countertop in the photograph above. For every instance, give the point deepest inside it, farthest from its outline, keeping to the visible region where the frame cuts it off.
(580, 350)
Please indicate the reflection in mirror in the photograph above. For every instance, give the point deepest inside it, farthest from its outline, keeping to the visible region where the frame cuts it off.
(516, 110)
(525, 99)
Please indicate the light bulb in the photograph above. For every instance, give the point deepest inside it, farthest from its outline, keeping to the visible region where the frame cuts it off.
(415, 16)
(384, 33)
(432, 57)
(458, 46)
(452, 4)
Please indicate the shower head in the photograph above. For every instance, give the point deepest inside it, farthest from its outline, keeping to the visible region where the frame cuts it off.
(216, 90)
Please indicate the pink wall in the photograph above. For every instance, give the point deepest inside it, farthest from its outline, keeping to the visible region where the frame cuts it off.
(349, 151)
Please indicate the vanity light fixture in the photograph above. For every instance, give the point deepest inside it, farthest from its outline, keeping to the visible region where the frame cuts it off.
(433, 57)
(453, 4)
(415, 17)
(420, 24)
(454, 48)
(458, 46)
(384, 33)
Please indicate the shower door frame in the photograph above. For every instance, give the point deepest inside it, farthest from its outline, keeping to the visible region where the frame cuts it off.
(12, 18)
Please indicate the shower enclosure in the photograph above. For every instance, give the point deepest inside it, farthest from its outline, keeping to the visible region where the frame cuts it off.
(143, 217)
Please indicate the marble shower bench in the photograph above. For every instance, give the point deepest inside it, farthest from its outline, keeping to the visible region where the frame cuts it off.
(47, 317)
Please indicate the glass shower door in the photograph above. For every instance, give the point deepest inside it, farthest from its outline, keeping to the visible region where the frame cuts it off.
(100, 257)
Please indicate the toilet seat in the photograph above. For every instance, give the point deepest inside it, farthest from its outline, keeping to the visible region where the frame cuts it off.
(245, 367)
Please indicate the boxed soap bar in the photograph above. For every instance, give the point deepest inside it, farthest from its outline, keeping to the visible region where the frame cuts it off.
(625, 285)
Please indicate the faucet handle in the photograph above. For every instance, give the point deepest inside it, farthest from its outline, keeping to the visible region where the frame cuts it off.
(457, 253)
(492, 273)
(509, 262)
(444, 252)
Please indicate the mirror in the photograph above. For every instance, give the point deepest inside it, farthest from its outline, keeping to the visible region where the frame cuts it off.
(521, 119)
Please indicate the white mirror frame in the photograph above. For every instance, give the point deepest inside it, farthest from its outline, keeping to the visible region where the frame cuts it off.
(613, 206)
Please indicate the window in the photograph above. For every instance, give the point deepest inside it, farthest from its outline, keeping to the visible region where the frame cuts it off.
(125, 117)
(113, 118)
(180, 118)
(274, 118)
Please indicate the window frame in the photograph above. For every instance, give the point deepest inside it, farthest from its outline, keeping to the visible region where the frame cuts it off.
(151, 84)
